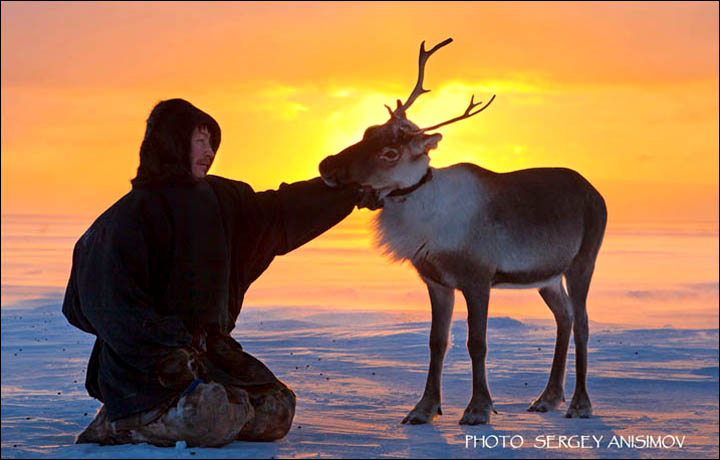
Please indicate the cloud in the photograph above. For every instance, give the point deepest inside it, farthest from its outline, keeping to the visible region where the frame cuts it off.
(280, 100)
(683, 291)
(712, 286)
(514, 84)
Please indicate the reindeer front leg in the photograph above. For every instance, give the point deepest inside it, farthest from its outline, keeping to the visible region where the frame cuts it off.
(442, 300)
(477, 298)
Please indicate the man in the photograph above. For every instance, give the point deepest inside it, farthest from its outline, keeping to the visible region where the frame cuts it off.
(160, 277)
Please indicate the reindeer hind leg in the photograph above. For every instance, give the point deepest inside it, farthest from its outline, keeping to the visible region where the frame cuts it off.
(578, 281)
(554, 394)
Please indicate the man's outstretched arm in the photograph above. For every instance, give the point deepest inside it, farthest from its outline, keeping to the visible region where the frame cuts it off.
(274, 222)
(310, 208)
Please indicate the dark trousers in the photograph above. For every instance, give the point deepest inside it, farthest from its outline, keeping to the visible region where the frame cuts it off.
(217, 393)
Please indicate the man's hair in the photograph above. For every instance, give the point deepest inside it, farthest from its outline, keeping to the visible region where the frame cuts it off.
(165, 150)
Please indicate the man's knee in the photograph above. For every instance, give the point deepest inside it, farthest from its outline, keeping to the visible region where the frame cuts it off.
(274, 413)
(245, 402)
(204, 417)
(229, 364)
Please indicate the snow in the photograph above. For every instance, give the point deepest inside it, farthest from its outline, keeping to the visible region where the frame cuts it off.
(357, 374)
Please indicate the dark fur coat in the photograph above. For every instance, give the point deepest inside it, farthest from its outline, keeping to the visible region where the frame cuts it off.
(176, 255)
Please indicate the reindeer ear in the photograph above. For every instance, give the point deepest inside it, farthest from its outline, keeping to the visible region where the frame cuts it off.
(430, 141)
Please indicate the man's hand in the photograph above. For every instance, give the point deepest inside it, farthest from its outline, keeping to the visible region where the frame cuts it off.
(178, 368)
(368, 198)
(199, 340)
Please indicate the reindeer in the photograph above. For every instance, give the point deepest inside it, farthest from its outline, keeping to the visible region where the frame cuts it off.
(467, 228)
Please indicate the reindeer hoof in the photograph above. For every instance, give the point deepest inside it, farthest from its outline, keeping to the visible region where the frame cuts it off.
(579, 412)
(476, 416)
(416, 419)
(422, 413)
(580, 407)
(546, 402)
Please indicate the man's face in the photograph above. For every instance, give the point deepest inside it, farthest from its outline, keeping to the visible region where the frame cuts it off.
(201, 153)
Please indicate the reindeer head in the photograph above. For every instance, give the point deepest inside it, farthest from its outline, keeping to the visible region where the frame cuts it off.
(393, 155)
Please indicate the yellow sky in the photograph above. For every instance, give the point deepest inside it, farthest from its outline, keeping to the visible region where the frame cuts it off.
(626, 93)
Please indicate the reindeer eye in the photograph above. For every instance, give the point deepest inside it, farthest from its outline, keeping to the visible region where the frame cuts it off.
(390, 155)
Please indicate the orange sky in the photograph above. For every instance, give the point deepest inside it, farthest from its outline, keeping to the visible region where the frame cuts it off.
(627, 93)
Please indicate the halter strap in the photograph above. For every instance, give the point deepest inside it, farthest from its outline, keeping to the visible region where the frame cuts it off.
(412, 188)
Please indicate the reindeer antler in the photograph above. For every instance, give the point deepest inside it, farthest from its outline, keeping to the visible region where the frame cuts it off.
(467, 113)
(399, 111)
(424, 55)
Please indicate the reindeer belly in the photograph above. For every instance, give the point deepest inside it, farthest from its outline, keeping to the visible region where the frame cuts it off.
(531, 269)
(451, 269)
(524, 280)
(525, 259)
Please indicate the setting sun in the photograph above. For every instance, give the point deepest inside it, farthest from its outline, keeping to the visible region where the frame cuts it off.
(631, 108)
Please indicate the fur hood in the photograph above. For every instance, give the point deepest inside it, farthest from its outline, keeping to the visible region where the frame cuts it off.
(165, 150)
